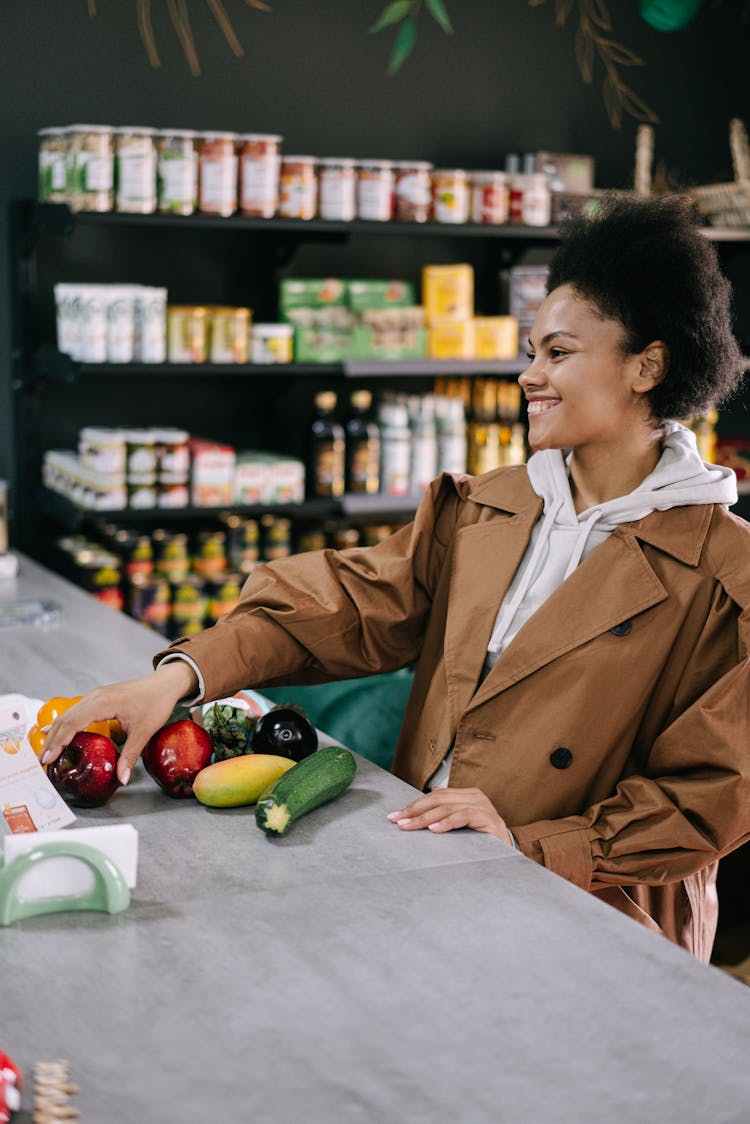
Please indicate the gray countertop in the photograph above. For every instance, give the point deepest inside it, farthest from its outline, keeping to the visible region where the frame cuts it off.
(347, 970)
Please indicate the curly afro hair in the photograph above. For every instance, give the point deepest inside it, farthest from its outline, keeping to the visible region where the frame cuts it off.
(646, 264)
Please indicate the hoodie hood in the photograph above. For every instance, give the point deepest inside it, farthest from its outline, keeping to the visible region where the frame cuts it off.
(562, 538)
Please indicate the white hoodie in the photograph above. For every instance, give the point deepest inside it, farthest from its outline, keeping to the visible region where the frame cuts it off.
(562, 539)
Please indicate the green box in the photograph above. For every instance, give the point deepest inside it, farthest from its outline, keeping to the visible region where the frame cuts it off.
(322, 292)
(380, 294)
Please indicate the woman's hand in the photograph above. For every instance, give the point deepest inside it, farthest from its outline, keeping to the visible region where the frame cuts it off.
(443, 809)
(141, 706)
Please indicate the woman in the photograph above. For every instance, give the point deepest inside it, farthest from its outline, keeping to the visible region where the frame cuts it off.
(578, 625)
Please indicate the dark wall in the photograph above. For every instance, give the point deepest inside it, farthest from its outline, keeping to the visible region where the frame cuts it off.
(506, 80)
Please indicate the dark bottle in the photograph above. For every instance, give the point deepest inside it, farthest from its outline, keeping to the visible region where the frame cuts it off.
(327, 448)
(362, 446)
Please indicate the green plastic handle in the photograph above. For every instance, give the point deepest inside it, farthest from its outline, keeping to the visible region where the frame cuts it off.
(109, 893)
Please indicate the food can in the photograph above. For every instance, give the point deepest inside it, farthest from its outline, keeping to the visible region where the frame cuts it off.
(189, 604)
(276, 537)
(90, 168)
(337, 185)
(222, 595)
(217, 173)
(272, 343)
(259, 156)
(102, 449)
(210, 553)
(149, 601)
(142, 494)
(171, 558)
(135, 170)
(413, 198)
(229, 335)
(373, 533)
(53, 164)
(298, 187)
(98, 572)
(489, 197)
(140, 456)
(375, 180)
(344, 538)
(311, 540)
(177, 171)
(172, 454)
(187, 333)
(172, 496)
(450, 195)
(242, 542)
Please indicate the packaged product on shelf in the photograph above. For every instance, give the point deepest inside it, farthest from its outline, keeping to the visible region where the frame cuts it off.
(489, 197)
(495, 337)
(149, 600)
(424, 449)
(249, 479)
(298, 187)
(222, 595)
(68, 318)
(362, 445)
(272, 343)
(328, 470)
(259, 157)
(527, 290)
(210, 553)
(102, 449)
(337, 189)
(536, 207)
(138, 557)
(515, 187)
(243, 541)
(177, 171)
(286, 479)
(565, 171)
(142, 494)
(188, 607)
(312, 538)
(212, 473)
(120, 323)
(90, 168)
(217, 173)
(734, 452)
(150, 344)
(171, 558)
(395, 445)
(374, 533)
(450, 339)
(3, 517)
(345, 538)
(448, 292)
(508, 400)
(390, 333)
(135, 153)
(53, 164)
(140, 457)
(172, 455)
(276, 537)
(172, 494)
(311, 292)
(451, 434)
(94, 301)
(376, 294)
(413, 190)
(375, 182)
(450, 195)
(187, 333)
(98, 572)
(229, 334)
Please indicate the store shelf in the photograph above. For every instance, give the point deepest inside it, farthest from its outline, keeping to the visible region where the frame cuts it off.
(378, 368)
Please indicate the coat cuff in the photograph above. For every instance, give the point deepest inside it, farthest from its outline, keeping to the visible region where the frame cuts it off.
(563, 849)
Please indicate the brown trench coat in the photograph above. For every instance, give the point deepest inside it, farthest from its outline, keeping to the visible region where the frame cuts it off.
(613, 734)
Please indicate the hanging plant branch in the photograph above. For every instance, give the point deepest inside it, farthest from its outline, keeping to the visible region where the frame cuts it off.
(592, 41)
(178, 14)
(403, 14)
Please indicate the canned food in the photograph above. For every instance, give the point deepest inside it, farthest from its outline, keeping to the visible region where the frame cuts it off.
(311, 540)
(223, 594)
(149, 601)
(172, 455)
(189, 603)
(140, 456)
(344, 538)
(276, 537)
(53, 165)
(259, 174)
(375, 181)
(450, 195)
(242, 542)
(489, 197)
(98, 572)
(90, 168)
(177, 171)
(171, 557)
(142, 495)
(217, 173)
(413, 198)
(272, 343)
(138, 556)
(102, 449)
(372, 533)
(170, 496)
(136, 170)
(230, 334)
(337, 200)
(187, 334)
(210, 554)
(298, 187)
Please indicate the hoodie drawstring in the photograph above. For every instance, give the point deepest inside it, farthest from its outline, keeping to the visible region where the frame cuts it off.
(581, 539)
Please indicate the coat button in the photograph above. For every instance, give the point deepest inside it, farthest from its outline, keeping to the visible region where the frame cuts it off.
(622, 629)
(561, 757)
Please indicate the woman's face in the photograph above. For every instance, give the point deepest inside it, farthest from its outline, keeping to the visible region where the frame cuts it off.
(580, 387)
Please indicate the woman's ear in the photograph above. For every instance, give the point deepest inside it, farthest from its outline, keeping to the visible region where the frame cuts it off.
(652, 366)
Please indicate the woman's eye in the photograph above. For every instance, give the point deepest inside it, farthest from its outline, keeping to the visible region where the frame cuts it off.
(557, 352)
(530, 356)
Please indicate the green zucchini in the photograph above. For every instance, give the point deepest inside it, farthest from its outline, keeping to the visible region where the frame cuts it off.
(313, 781)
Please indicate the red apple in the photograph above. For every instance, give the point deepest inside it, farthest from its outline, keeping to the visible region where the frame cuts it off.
(85, 773)
(176, 754)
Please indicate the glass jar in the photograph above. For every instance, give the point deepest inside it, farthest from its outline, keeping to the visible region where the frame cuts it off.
(375, 190)
(338, 183)
(298, 187)
(53, 165)
(90, 168)
(217, 173)
(413, 190)
(450, 195)
(177, 171)
(536, 206)
(259, 174)
(489, 197)
(187, 334)
(136, 170)
(230, 335)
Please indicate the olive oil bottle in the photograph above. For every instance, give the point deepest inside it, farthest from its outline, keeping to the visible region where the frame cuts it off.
(327, 461)
(362, 446)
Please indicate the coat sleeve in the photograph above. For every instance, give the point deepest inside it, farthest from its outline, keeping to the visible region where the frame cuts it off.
(329, 614)
(690, 806)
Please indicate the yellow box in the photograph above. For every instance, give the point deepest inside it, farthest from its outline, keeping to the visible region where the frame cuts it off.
(448, 293)
(496, 337)
(451, 340)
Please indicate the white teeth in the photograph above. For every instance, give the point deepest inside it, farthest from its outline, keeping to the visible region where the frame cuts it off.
(541, 406)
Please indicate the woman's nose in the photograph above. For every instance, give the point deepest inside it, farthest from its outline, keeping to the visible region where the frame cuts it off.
(532, 376)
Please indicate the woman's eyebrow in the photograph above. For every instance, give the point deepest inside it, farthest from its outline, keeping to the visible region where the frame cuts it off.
(552, 335)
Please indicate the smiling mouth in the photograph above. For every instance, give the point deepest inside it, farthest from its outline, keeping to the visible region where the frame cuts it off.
(542, 406)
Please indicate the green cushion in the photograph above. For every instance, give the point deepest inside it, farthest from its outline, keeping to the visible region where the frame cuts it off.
(363, 714)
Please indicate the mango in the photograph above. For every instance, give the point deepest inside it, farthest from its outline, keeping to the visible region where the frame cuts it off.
(239, 780)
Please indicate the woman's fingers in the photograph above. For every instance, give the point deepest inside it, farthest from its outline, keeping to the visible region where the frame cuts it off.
(445, 809)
